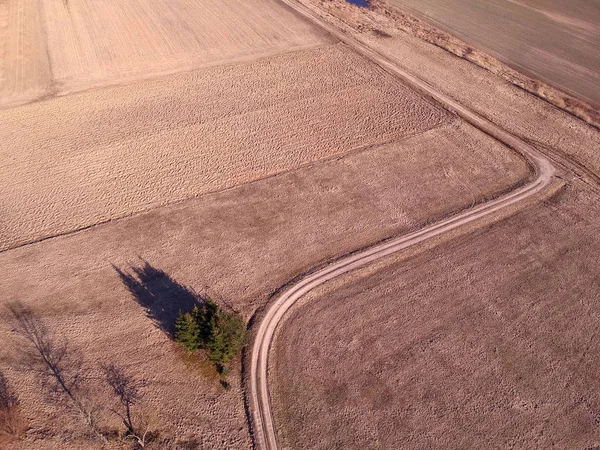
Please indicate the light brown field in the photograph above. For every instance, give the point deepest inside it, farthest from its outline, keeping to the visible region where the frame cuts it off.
(24, 66)
(74, 161)
(363, 158)
(57, 46)
(243, 244)
(487, 341)
(553, 40)
(552, 131)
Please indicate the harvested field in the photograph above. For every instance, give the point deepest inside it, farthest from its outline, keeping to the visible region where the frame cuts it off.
(243, 243)
(340, 155)
(553, 40)
(78, 160)
(95, 42)
(557, 133)
(64, 45)
(486, 341)
(24, 67)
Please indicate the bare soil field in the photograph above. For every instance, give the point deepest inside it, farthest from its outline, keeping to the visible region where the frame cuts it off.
(57, 46)
(74, 161)
(24, 66)
(553, 40)
(485, 341)
(385, 162)
(239, 246)
(553, 131)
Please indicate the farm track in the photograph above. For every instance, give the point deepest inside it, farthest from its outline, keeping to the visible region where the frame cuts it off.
(263, 426)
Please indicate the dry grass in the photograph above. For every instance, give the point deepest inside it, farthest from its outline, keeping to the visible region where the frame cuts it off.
(487, 341)
(578, 107)
(12, 425)
(563, 100)
(105, 154)
(55, 46)
(383, 15)
(243, 243)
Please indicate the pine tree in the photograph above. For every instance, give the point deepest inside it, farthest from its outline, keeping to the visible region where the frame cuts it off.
(223, 334)
(205, 317)
(188, 331)
(228, 337)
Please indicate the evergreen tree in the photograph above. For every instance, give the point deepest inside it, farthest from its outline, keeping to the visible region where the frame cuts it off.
(187, 330)
(228, 337)
(205, 317)
(223, 334)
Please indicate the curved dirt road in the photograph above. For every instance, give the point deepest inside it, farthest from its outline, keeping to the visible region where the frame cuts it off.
(259, 400)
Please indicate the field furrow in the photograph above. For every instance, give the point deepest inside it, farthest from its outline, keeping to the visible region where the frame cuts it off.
(68, 165)
(97, 42)
(24, 68)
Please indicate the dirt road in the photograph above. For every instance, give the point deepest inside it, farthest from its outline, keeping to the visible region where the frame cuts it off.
(262, 420)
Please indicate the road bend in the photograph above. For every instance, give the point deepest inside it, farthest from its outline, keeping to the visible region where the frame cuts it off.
(263, 426)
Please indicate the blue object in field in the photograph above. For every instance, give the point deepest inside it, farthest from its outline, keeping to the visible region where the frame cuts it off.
(361, 3)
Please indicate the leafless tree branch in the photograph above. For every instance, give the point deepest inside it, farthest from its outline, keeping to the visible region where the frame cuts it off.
(128, 392)
(53, 361)
(11, 421)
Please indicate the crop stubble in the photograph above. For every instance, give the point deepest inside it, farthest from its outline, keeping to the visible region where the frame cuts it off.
(243, 243)
(58, 46)
(484, 92)
(24, 68)
(74, 161)
(487, 341)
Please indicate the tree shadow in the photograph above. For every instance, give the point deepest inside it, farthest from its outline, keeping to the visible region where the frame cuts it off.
(161, 296)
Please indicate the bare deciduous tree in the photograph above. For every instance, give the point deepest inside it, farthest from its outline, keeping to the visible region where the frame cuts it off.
(126, 389)
(58, 367)
(128, 392)
(11, 421)
(145, 424)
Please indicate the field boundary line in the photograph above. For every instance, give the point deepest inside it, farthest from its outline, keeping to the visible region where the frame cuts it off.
(100, 85)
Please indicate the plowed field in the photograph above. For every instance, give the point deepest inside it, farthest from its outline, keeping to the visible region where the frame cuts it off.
(485, 342)
(77, 160)
(54, 46)
(24, 67)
